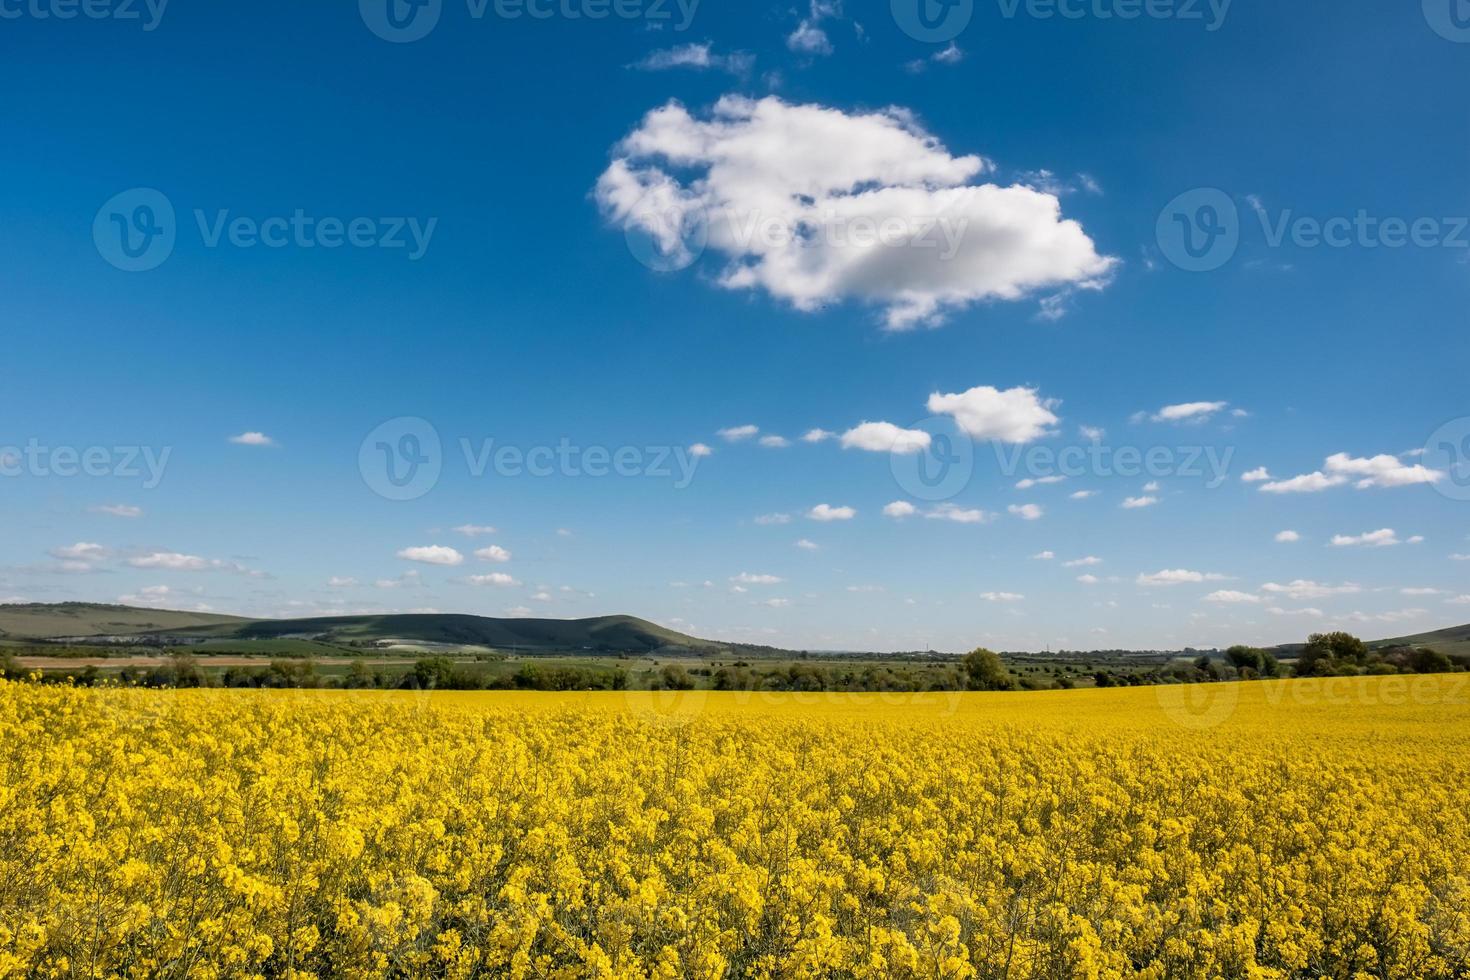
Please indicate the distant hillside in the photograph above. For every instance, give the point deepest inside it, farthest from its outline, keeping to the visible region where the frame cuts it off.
(35, 621)
(1453, 640)
(601, 634)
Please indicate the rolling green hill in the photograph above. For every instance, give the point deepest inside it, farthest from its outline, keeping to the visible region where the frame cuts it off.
(38, 621)
(601, 634)
(1453, 640)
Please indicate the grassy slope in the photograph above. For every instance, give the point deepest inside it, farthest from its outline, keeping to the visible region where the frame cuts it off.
(1455, 639)
(41, 620)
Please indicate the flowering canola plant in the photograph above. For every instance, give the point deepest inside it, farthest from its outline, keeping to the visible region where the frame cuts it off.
(1296, 832)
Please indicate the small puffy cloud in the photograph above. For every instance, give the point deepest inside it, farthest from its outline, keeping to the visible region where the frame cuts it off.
(492, 553)
(1310, 611)
(1306, 483)
(1382, 538)
(1178, 576)
(1232, 597)
(117, 510)
(1082, 494)
(1381, 471)
(738, 433)
(826, 512)
(1459, 600)
(1002, 596)
(1044, 556)
(1039, 481)
(1151, 486)
(1188, 412)
(1459, 557)
(1082, 562)
(885, 437)
(542, 596)
(1258, 475)
(1015, 415)
(776, 603)
(252, 439)
(1134, 503)
(83, 551)
(432, 554)
(697, 57)
(1026, 512)
(497, 579)
(1091, 433)
(1287, 537)
(1415, 591)
(700, 449)
(900, 508)
(748, 578)
(957, 514)
(775, 442)
(173, 561)
(807, 545)
(474, 530)
(1088, 579)
(817, 435)
(341, 581)
(787, 194)
(1300, 589)
(766, 520)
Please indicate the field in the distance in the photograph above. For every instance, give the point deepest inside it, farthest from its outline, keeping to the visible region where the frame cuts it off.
(1288, 828)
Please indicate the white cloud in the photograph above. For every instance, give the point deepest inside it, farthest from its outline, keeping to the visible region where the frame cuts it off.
(1030, 482)
(817, 435)
(788, 193)
(117, 510)
(1301, 588)
(252, 439)
(957, 514)
(1381, 471)
(1088, 579)
(775, 442)
(695, 56)
(1307, 611)
(1258, 475)
(1002, 596)
(826, 512)
(1459, 557)
(1188, 412)
(1287, 537)
(738, 433)
(776, 603)
(341, 581)
(809, 38)
(1082, 562)
(1015, 415)
(542, 596)
(1044, 555)
(747, 578)
(1151, 486)
(497, 579)
(432, 554)
(899, 508)
(493, 553)
(765, 520)
(175, 561)
(806, 544)
(1459, 600)
(700, 449)
(1134, 503)
(519, 612)
(1027, 512)
(1091, 433)
(1382, 538)
(1178, 576)
(1373, 471)
(82, 551)
(883, 437)
(474, 530)
(1232, 597)
(1083, 494)
(1413, 591)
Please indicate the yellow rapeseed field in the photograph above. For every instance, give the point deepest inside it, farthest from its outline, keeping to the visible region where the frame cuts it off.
(1282, 829)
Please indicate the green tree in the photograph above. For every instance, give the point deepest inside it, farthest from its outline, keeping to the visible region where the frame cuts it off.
(1329, 653)
(985, 671)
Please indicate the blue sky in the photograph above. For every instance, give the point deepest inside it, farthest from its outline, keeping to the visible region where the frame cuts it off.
(538, 159)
